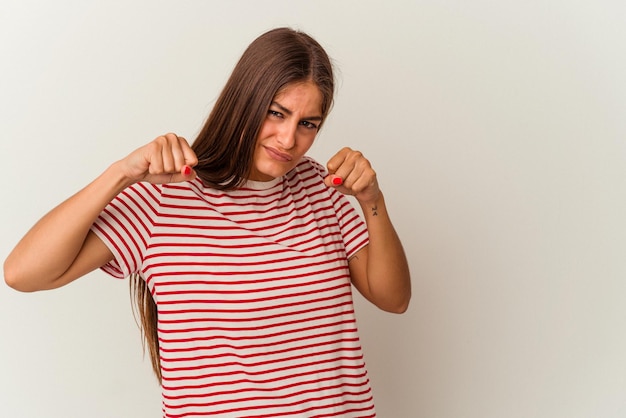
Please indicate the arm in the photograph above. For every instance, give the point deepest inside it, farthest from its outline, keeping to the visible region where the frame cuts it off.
(60, 247)
(380, 270)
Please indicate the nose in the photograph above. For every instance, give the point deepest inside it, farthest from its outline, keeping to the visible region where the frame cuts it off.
(287, 135)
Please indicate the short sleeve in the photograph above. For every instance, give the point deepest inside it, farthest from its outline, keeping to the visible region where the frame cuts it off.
(125, 227)
(353, 228)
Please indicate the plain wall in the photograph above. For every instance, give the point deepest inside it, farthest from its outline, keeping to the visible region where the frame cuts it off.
(497, 129)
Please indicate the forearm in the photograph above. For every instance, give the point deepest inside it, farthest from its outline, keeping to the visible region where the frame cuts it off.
(53, 243)
(388, 278)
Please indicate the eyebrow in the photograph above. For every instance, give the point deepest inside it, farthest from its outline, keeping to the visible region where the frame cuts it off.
(290, 112)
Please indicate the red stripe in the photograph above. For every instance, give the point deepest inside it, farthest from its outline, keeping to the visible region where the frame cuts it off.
(240, 265)
(256, 346)
(212, 282)
(260, 385)
(267, 353)
(251, 300)
(291, 404)
(255, 327)
(163, 312)
(351, 322)
(255, 319)
(265, 371)
(321, 389)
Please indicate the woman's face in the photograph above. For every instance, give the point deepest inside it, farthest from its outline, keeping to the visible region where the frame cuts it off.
(288, 131)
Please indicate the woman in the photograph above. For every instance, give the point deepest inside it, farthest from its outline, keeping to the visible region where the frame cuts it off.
(241, 250)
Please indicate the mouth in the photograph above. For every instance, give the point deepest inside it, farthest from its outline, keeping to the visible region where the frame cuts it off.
(277, 155)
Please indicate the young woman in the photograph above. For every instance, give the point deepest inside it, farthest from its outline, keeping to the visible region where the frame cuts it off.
(240, 249)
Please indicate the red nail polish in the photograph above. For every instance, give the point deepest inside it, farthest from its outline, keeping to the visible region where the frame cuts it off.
(186, 170)
(337, 181)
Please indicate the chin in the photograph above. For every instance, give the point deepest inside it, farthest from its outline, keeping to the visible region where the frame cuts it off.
(269, 172)
(264, 175)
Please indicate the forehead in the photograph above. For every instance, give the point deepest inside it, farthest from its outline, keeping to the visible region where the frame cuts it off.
(300, 95)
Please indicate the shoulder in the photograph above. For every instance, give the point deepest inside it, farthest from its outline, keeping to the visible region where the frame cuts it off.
(144, 189)
(309, 164)
(154, 195)
(307, 171)
(309, 175)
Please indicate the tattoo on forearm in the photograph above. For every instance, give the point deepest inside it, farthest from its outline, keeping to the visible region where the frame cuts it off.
(375, 211)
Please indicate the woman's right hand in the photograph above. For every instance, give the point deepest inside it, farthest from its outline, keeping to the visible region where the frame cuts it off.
(167, 159)
(60, 247)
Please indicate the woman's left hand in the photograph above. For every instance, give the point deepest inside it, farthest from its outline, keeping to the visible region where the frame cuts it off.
(380, 269)
(351, 173)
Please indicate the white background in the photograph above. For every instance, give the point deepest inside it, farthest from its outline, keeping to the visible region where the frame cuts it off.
(498, 132)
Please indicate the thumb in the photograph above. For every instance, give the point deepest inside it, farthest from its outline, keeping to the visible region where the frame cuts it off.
(333, 180)
(187, 173)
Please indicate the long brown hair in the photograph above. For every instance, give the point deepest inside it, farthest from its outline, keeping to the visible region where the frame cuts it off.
(282, 56)
(225, 144)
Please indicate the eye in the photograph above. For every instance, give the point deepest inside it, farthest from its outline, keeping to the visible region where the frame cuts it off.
(274, 113)
(308, 125)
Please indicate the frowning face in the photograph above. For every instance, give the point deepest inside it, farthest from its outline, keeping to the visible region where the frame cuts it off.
(289, 129)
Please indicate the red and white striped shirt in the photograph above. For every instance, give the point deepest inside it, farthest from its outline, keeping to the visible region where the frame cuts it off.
(255, 312)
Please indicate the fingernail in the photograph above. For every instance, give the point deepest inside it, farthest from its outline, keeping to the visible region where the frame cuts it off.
(337, 181)
(186, 170)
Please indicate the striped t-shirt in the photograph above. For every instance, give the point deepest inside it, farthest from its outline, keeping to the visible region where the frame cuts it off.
(255, 311)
